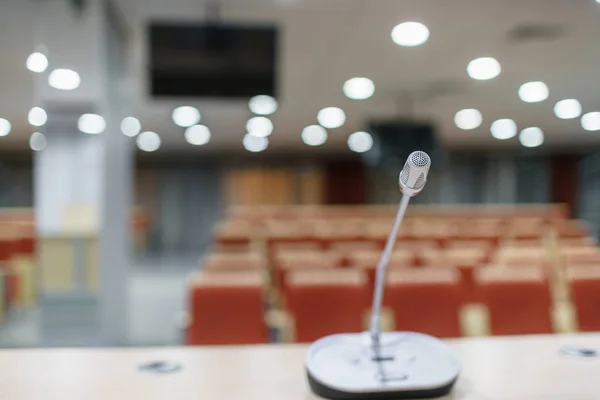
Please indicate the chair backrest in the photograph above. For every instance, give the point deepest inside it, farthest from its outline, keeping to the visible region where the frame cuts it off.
(580, 255)
(227, 307)
(289, 260)
(426, 300)
(368, 259)
(516, 256)
(584, 281)
(577, 242)
(326, 302)
(235, 261)
(518, 299)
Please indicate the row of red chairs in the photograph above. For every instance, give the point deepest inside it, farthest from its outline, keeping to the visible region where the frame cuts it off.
(254, 212)
(326, 231)
(228, 307)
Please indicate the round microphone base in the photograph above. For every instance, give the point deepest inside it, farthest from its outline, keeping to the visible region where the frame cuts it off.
(406, 365)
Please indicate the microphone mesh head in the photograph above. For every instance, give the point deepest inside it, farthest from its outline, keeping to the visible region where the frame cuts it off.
(414, 173)
(419, 159)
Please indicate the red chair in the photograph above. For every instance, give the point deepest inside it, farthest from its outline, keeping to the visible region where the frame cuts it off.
(576, 242)
(425, 300)
(521, 228)
(236, 233)
(367, 260)
(466, 261)
(287, 261)
(484, 244)
(326, 302)
(520, 256)
(227, 308)
(571, 228)
(234, 261)
(518, 299)
(490, 229)
(585, 293)
(580, 255)
(347, 247)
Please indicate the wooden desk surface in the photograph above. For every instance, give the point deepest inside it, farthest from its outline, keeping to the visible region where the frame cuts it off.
(501, 368)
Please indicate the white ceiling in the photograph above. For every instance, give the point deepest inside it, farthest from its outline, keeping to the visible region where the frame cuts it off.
(326, 42)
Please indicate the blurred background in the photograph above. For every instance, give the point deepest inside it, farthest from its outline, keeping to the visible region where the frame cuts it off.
(226, 171)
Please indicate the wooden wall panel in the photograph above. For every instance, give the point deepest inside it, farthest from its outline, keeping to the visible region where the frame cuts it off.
(311, 187)
(260, 186)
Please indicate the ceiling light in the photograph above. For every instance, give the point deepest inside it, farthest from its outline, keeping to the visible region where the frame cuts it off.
(186, 116)
(503, 129)
(533, 92)
(531, 137)
(37, 116)
(130, 126)
(567, 109)
(410, 34)
(197, 135)
(37, 141)
(469, 118)
(591, 121)
(263, 105)
(37, 62)
(148, 141)
(259, 126)
(314, 135)
(359, 88)
(484, 68)
(360, 142)
(5, 127)
(91, 124)
(331, 117)
(64, 79)
(255, 144)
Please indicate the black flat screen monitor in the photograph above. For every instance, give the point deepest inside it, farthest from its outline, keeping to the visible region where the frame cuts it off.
(216, 60)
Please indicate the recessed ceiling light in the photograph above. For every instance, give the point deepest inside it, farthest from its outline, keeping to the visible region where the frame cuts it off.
(410, 34)
(5, 127)
(503, 129)
(259, 126)
(360, 142)
(37, 116)
(197, 135)
(185, 116)
(37, 62)
(331, 117)
(484, 68)
(64, 79)
(37, 141)
(591, 121)
(469, 118)
(314, 135)
(533, 92)
(130, 126)
(91, 124)
(531, 137)
(567, 109)
(263, 105)
(255, 144)
(148, 141)
(359, 88)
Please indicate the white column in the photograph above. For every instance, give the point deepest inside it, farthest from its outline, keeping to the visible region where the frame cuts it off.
(93, 172)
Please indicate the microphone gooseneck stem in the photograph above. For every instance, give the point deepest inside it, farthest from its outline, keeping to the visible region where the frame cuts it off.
(381, 269)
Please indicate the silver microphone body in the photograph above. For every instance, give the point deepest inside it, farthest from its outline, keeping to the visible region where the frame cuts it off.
(412, 181)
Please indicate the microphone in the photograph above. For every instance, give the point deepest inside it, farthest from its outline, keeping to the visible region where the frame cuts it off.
(373, 365)
(412, 181)
(414, 174)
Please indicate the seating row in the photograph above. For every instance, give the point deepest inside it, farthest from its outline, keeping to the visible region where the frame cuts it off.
(229, 307)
